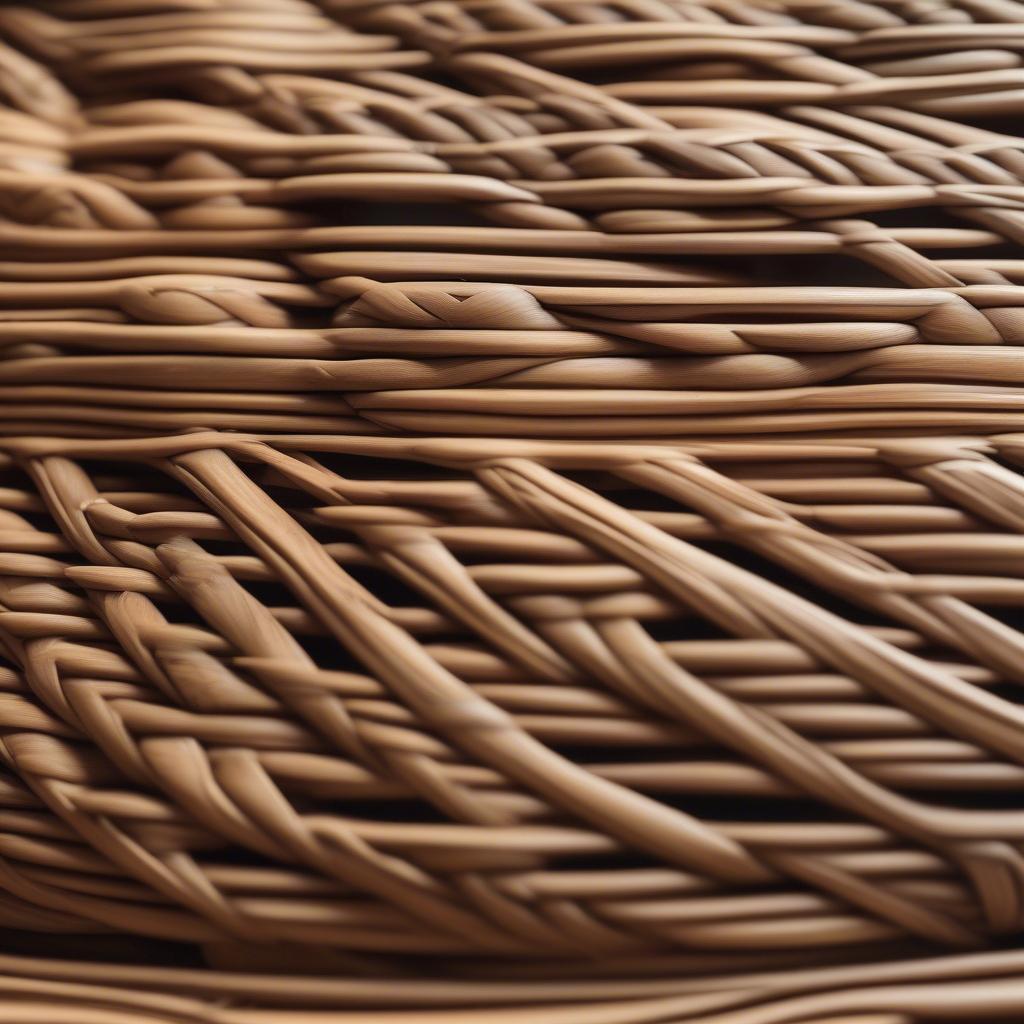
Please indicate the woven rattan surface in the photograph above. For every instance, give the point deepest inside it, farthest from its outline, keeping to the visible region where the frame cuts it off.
(511, 510)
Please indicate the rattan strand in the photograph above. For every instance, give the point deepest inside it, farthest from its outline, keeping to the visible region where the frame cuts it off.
(512, 505)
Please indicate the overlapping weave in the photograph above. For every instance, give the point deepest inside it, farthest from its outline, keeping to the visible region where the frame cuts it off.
(512, 510)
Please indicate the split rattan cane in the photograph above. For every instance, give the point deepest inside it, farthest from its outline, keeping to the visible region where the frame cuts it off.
(511, 510)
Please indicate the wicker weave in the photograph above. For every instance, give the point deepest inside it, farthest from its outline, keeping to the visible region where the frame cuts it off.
(511, 510)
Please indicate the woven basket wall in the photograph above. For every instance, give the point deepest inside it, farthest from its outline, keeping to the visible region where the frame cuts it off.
(511, 511)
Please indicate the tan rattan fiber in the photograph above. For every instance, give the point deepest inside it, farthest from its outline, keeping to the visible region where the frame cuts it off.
(511, 510)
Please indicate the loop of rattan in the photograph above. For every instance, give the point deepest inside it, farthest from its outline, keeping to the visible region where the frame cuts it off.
(515, 505)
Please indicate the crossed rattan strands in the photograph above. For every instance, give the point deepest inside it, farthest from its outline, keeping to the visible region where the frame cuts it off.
(511, 511)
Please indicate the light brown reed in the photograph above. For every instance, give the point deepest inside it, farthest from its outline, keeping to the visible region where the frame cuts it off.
(511, 510)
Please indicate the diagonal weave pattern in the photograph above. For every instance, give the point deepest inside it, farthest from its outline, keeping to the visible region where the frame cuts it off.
(512, 505)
